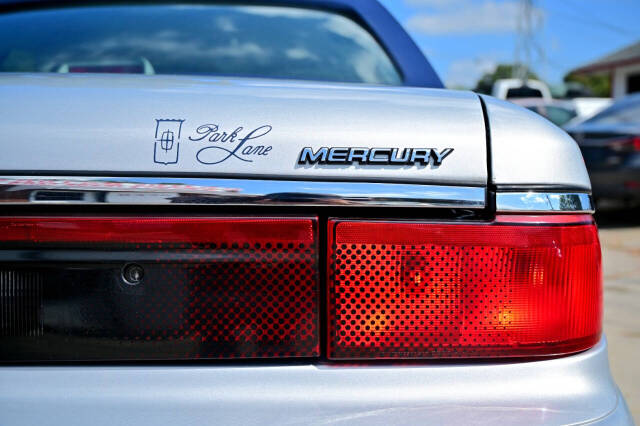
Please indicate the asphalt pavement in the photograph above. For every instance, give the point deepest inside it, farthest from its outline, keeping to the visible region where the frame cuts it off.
(620, 239)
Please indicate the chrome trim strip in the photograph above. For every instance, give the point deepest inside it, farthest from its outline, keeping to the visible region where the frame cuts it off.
(543, 202)
(22, 190)
(213, 191)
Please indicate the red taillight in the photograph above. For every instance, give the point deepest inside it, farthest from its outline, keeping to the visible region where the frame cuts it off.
(114, 288)
(157, 230)
(519, 286)
(626, 144)
(79, 288)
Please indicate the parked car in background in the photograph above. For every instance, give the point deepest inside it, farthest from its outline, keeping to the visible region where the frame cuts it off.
(515, 88)
(585, 104)
(587, 107)
(259, 212)
(537, 96)
(610, 145)
(557, 111)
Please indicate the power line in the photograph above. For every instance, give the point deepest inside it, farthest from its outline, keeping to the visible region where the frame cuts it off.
(527, 45)
(592, 20)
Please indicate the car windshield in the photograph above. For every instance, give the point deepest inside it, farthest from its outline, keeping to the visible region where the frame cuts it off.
(624, 112)
(252, 41)
(559, 116)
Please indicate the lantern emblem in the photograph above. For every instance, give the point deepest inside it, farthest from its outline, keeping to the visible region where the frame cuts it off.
(167, 146)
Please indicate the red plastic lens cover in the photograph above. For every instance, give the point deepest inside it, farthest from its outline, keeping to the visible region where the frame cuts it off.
(144, 288)
(518, 286)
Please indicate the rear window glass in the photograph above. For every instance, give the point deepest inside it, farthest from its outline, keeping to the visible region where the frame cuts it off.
(523, 92)
(251, 41)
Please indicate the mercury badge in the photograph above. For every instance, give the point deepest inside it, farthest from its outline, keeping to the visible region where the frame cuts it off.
(374, 156)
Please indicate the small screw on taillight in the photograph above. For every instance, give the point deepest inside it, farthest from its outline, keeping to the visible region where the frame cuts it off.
(132, 274)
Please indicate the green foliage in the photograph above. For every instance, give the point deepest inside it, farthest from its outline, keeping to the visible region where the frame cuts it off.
(485, 84)
(596, 84)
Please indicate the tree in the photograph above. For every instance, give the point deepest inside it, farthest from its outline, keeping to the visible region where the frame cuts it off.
(595, 84)
(485, 84)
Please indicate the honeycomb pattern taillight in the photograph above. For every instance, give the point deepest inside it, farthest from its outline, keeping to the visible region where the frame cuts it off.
(429, 290)
(173, 288)
(121, 288)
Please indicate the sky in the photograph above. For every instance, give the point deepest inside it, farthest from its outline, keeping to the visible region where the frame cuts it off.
(465, 38)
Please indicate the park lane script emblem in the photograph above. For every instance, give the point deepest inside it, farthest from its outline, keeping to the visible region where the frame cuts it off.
(208, 143)
(374, 156)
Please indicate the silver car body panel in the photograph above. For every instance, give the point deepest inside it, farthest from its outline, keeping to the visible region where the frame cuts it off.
(527, 151)
(116, 124)
(105, 125)
(567, 390)
(92, 139)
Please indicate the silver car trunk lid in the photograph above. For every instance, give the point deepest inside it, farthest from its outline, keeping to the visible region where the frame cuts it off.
(176, 126)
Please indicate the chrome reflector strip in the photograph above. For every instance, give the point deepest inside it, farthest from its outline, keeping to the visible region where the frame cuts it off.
(154, 191)
(543, 202)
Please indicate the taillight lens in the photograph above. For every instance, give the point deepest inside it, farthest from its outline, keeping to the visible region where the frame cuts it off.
(626, 144)
(135, 288)
(519, 286)
(125, 288)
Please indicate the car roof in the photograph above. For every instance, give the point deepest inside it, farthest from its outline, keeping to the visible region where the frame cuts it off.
(619, 105)
(592, 124)
(631, 99)
(408, 58)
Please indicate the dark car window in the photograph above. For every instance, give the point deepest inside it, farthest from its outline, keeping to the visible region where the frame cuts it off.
(256, 41)
(523, 92)
(624, 112)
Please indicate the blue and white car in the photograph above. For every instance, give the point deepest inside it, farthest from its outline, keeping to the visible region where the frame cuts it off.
(273, 213)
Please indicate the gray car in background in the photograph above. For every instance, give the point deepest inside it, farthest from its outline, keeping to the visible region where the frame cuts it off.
(610, 145)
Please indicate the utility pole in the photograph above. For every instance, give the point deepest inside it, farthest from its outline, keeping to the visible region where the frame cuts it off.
(524, 40)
